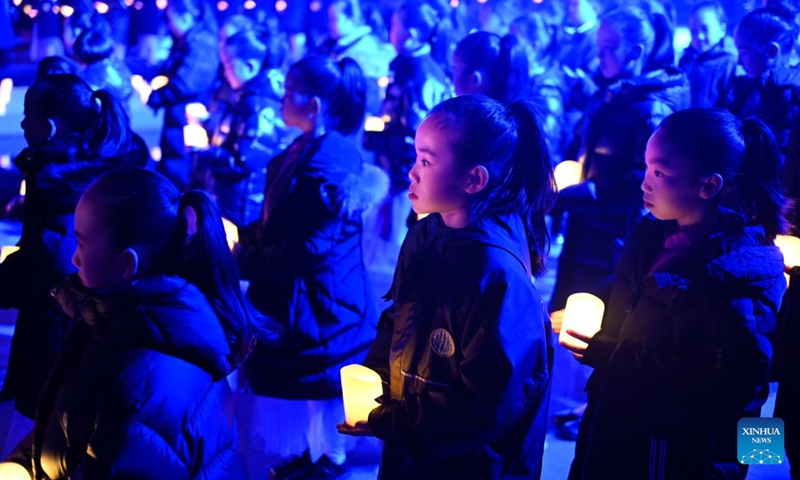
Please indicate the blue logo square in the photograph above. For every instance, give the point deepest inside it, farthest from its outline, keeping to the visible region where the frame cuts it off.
(761, 441)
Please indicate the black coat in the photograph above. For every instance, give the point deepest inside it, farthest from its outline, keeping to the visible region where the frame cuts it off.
(140, 390)
(306, 271)
(682, 355)
(56, 176)
(465, 350)
(711, 73)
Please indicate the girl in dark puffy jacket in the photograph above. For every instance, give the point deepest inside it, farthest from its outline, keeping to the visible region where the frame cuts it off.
(464, 349)
(74, 135)
(683, 353)
(247, 132)
(710, 61)
(306, 269)
(140, 390)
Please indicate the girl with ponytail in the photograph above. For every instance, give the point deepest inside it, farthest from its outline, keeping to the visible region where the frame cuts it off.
(464, 348)
(159, 322)
(304, 261)
(683, 352)
(492, 65)
(74, 135)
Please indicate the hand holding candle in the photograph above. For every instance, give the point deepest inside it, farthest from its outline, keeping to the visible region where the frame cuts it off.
(583, 316)
(360, 387)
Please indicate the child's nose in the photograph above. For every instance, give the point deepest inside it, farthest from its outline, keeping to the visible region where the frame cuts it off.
(412, 174)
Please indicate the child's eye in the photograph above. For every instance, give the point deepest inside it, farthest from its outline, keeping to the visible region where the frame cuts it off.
(658, 174)
(424, 162)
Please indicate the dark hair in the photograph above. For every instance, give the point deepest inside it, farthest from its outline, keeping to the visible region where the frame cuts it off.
(509, 142)
(421, 16)
(712, 5)
(93, 45)
(254, 45)
(771, 24)
(650, 28)
(96, 116)
(529, 26)
(366, 13)
(56, 65)
(744, 153)
(143, 210)
(200, 10)
(340, 85)
(502, 61)
(239, 23)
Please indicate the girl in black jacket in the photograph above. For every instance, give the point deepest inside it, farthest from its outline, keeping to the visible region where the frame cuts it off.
(464, 349)
(140, 390)
(683, 353)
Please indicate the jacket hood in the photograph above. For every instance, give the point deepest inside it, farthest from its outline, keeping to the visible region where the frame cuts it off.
(669, 85)
(161, 313)
(724, 48)
(506, 233)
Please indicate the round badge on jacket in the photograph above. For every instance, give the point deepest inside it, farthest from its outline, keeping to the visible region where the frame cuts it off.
(442, 343)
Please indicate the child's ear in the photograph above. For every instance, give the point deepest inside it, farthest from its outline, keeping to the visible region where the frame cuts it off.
(315, 105)
(711, 186)
(130, 263)
(773, 50)
(476, 79)
(253, 65)
(477, 179)
(636, 52)
(53, 128)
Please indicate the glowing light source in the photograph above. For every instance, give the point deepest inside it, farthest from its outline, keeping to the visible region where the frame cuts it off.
(102, 8)
(160, 81)
(162, 4)
(281, 6)
(56, 9)
(5, 162)
(383, 82)
(360, 387)
(196, 112)
(155, 154)
(138, 5)
(231, 233)
(129, 3)
(482, 1)
(195, 136)
(682, 38)
(567, 173)
(790, 248)
(13, 471)
(315, 6)
(584, 314)
(374, 124)
(22, 188)
(222, 5)
(6, 86)
(454, 3)
(17, 3)
(5, 251)
(249, 5)
(141, 87)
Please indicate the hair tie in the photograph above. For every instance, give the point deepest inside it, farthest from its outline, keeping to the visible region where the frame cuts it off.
(96, 103)
(190, 214)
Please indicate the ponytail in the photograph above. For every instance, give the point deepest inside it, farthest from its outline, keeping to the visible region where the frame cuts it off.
(759, 179)
(349, 104)
(532, 177)
(511, 72)
(662, 54)
(205, 261)
(108, 134)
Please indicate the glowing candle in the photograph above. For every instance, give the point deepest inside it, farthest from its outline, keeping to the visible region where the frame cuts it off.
(5, 251)
(6, 86)
(360, 387)
(567, 173)
(160, 81)
(584, 314)
(231, 232)
(22, 188)
(142, 87)
(790, 247)
(195, 136)
(195, 112)
(374, 124)
(13, 471)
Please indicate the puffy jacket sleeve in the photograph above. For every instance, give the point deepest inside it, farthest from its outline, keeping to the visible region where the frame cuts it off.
(190, 72)
(503, 370)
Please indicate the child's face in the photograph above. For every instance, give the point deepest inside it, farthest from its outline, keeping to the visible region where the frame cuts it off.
(437, 182)
(752, 56)
(463, 78)
(100, 265)
(612, 51)
(36, 127)
(706, 29)
(237, 71)
(296, 106)
(672, 186)
(339, 24)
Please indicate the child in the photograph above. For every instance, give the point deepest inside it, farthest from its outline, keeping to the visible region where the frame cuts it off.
(465, 347)
(159, 322)
(247, 133)
(74, 135)
(492, 65)
(305, 265)
(683, 353)
(710, 61)
(190, 68)
(94, 49)
(771, 89)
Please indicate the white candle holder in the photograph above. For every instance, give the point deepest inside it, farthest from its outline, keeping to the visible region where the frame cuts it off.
(360, 387)
(584, 315)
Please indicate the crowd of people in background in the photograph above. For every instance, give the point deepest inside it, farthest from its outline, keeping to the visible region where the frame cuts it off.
(319, 115)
